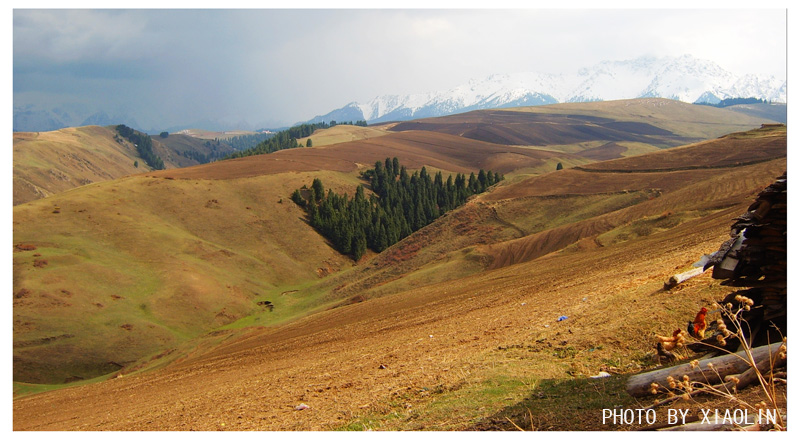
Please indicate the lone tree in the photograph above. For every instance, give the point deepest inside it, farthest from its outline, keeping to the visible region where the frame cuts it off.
(319, 190)
(559, 166)
(308, 143)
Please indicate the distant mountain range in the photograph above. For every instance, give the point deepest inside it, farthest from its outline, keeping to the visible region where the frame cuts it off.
(684, 78)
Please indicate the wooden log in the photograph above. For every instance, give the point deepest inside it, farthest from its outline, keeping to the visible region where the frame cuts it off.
(729, 364)
(681, 277)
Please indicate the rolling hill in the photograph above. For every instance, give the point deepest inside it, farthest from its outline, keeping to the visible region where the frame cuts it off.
(657, 122)
(47, 163)
(593, 205)
(186, 250)
(207, 296)
(344, 133)
(461, 354)
(51, 162)
(413, 148)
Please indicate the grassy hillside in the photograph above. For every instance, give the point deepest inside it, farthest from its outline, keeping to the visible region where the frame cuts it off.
(156, 260)
(125, 268)
(467, 354)
(343, 133)
(47, 163)
(163, 277)
(211, 135)
(773, 111)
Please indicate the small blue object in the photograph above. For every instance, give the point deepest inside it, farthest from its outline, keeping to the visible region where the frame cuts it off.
(561, 318)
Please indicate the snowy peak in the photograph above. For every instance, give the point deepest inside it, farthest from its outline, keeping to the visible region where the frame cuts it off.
(683, 78)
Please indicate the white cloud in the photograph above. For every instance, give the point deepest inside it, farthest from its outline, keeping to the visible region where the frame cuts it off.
(289, 65)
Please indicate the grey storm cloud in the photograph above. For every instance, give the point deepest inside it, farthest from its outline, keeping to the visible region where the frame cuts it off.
(272, 67)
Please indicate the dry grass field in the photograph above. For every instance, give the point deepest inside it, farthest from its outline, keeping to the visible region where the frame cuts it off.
(136, 301)
(344, 133)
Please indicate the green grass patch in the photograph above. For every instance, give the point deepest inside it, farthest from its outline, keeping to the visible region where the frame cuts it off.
(647, 226)
(542, 213)
(288, 303)
(25, 389)
(563, 405)
(506, 400)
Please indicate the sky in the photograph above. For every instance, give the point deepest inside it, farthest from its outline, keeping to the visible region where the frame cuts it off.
(262, 68)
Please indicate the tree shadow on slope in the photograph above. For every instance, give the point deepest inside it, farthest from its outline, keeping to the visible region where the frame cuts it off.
(563, 405)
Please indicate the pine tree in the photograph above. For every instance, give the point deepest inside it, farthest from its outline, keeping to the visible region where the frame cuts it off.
(318, 190)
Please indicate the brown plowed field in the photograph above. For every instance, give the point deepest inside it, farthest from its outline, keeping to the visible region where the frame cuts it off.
(658, 122)
(520, 128)
(663, 170)
(732, 150)
(608, 151)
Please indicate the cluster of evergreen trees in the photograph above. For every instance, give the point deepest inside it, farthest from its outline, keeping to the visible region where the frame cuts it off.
(245, 141)
(287, 138)
(404, 204)
(280, 141)
(144, 146)
(200, 157)
(333, 123)
(736, 101)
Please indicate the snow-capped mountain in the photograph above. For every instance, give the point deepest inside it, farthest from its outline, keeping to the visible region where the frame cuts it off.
(684, 78)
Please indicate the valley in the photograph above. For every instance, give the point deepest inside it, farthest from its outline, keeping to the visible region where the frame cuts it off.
(144, 294)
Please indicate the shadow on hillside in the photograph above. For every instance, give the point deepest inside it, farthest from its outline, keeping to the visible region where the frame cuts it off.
(562, 405)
